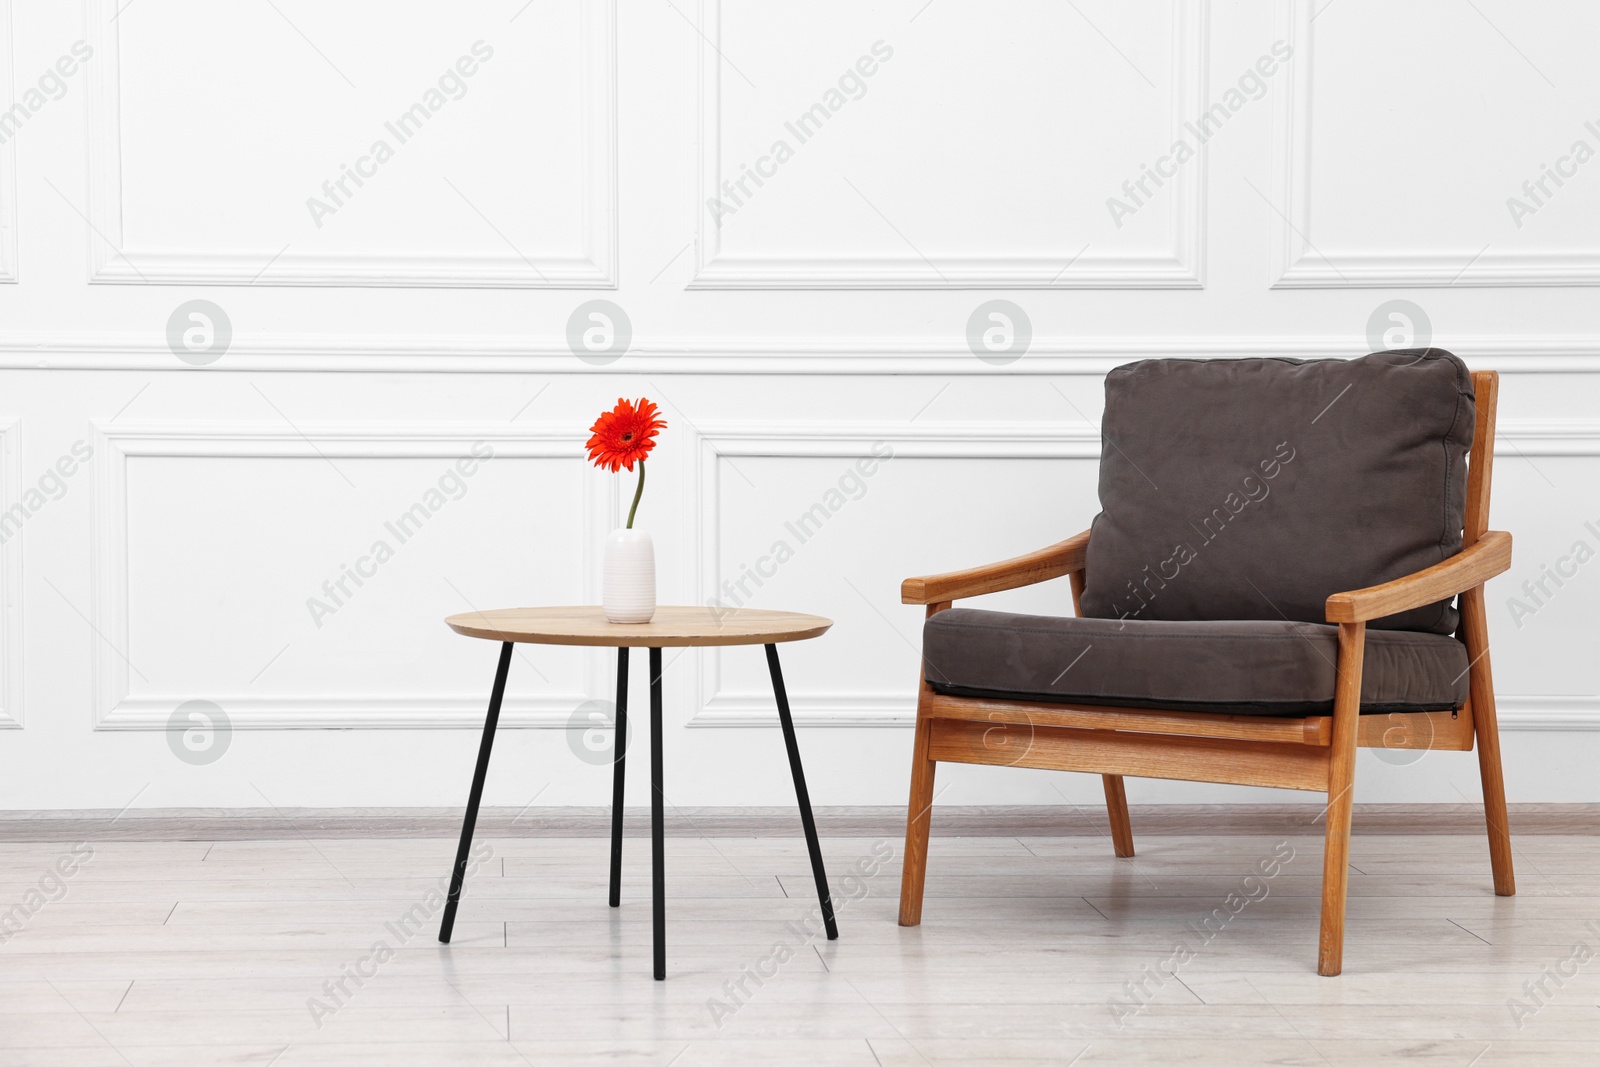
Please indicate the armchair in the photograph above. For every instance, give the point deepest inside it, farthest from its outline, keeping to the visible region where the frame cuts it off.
(1264, 660)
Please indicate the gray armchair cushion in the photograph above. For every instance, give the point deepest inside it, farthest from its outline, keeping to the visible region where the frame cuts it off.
(1255, 488)
(1259, 667)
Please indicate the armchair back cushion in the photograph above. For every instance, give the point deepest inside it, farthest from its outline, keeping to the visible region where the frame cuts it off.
(1237, 489)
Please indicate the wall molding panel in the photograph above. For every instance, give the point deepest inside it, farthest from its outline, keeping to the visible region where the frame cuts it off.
(117, 708)
(1298, 264)
(112, 262)
(1073, 268)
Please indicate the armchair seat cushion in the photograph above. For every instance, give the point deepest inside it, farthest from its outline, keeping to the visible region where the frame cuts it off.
(1254, 667)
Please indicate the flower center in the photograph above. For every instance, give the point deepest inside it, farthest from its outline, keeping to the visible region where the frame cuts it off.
(627, 437)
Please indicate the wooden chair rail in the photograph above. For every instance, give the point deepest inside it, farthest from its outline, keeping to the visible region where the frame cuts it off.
(1437, 730)
(1188, 759)
(1471, 567)
(1053, 562)
(1314, 730)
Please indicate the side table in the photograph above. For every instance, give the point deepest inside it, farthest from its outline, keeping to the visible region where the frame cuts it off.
(671, 627)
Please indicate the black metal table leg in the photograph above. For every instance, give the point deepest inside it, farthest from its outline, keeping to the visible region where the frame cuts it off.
(658, 868)
(619, 754)
(458, 873)
(801, 794)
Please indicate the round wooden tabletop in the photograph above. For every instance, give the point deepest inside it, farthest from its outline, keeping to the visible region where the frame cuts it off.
(669, 628)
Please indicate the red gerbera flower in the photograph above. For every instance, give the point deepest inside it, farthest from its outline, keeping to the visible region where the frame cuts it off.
(624, 434)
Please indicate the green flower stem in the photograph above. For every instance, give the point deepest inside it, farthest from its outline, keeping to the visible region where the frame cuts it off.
(637, 493)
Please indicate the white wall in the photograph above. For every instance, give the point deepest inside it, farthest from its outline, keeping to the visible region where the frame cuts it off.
(427, 310)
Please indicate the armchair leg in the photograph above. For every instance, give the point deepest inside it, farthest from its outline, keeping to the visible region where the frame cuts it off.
(1485, 722)
(1117, 808)
(1116, 796)
(1341, 784)
(919, 816)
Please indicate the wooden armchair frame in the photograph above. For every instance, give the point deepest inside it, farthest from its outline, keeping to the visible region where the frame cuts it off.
(1314, 753)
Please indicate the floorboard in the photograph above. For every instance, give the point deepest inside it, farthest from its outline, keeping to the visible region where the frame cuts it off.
(1034, 949)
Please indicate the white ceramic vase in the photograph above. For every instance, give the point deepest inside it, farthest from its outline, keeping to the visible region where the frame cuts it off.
(629, 590)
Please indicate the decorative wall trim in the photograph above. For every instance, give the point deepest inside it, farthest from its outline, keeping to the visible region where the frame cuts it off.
(1077, 440)
(8, 156)
(117, 708)
(1549, 712)
(1298, 265)
(12, 715)
(843, 355)
(1181, 268)
(1573, 438)
(596, 268)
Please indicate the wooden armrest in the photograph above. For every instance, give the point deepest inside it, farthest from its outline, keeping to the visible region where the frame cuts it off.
(1489, 555)
(1063, 558)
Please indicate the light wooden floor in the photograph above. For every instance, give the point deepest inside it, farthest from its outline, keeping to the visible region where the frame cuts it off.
(177, 953)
